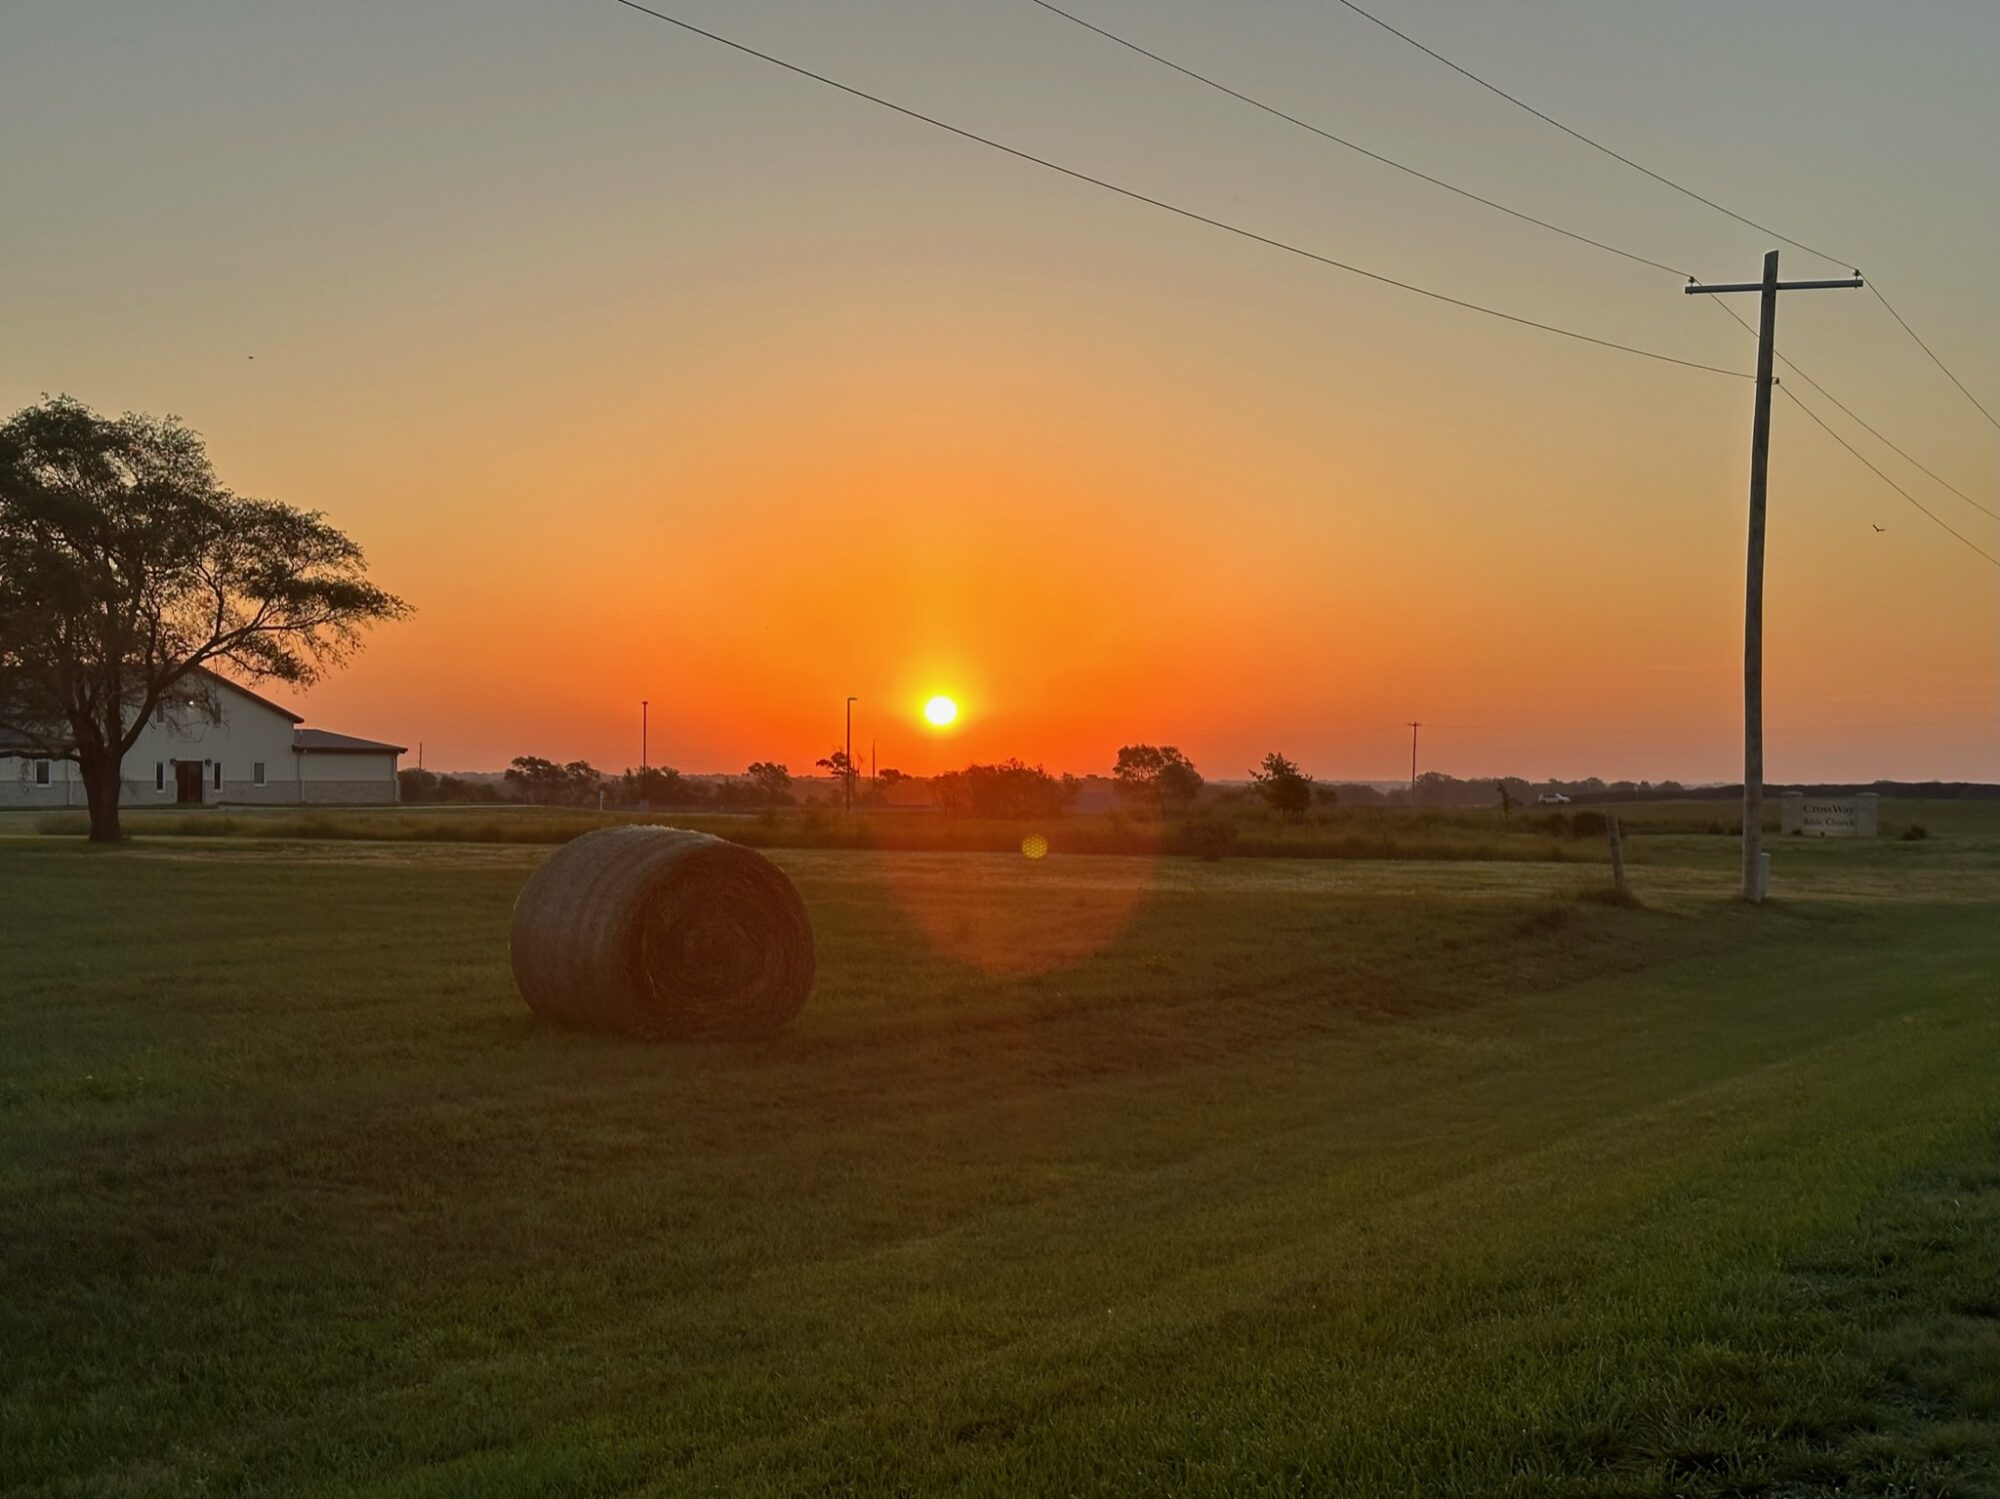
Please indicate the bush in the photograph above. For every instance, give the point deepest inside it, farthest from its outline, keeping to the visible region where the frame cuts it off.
(1206, 837)
(1587, 825)
(1916, 832)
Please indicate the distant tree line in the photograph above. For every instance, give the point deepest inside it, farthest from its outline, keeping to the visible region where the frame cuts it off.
(578, 783)
(1156, 780)
(1149, 781)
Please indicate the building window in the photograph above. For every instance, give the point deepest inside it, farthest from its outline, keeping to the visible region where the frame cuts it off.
(218, 775)
(159, 775)
(160, 713)
(43, 772)
(257, 772)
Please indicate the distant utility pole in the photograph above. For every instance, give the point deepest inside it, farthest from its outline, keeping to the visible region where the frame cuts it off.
(848, 775)
(644, 709)
(1414, 726)
(1753, 590)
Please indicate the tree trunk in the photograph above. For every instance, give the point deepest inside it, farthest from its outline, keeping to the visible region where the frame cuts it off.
(100, 789)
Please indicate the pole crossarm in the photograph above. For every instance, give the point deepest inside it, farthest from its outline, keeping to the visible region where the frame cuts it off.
(1696, 288)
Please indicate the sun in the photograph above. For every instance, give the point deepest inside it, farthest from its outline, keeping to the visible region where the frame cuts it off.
(941, 711)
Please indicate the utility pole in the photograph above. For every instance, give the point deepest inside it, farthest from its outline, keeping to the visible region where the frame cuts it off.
(644, 709)
(848, 775)
(1414, 726)
(1753, 585)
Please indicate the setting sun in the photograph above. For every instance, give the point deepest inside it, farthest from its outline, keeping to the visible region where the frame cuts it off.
(941, 711)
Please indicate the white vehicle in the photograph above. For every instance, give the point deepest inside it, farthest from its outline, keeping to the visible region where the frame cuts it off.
(1552, 799)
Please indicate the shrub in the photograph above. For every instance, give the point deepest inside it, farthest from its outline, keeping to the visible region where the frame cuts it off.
(1587, 825)
(1206, 837)
(1916, 832)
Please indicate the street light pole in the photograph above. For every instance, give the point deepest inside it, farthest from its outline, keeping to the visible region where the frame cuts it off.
(644, 763)
(849, 772)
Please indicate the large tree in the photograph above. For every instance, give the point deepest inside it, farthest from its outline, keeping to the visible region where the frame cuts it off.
(843, 770)
(1286, 789)
(546, 783)
(772, 781)
(127, 570)
(1011, 791)
(1156, 776)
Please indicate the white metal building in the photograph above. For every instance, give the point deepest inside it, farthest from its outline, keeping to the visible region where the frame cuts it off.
(214, 743)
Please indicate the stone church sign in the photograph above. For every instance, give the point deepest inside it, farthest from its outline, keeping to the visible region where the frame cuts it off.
(1829, 816)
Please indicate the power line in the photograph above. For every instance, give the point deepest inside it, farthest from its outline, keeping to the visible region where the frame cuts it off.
(1934, 359)
(1885, 478)
(1863, 424)
(1273, 110)
(1595, 145)
(1338, 140)
(1162, 204)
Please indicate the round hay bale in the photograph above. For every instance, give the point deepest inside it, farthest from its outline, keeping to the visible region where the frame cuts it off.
(664, 934)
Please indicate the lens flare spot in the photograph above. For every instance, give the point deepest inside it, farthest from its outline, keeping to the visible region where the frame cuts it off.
(1034, 845)
(941, 711)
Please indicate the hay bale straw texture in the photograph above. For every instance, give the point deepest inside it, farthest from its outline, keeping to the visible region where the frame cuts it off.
(663, 934)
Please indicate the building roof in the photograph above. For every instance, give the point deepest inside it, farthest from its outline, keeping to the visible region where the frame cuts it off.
(326, 742)
(216, 676)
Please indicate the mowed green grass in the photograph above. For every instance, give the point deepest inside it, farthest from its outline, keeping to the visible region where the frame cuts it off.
(1087, 1175)
(1530, 833)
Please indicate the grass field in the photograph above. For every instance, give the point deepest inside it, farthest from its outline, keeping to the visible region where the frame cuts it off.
(1531, 834)
(1111, 1175)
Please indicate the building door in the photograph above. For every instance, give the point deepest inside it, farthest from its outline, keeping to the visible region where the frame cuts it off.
(187, 782)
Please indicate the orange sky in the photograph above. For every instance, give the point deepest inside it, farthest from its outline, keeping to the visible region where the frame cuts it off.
(644, 374)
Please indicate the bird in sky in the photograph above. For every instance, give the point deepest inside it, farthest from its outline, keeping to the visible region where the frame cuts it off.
(1878, 528)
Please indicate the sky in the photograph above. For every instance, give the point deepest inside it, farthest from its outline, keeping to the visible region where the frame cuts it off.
(646, 371)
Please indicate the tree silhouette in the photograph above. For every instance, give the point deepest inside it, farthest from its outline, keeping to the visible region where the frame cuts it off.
(1286, 789)
(1156, 776)
(127, 570)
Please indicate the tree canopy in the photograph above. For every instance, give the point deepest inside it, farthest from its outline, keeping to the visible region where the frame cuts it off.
(126, 566)
(1286, 789)
(1156, 776)
(1010, 791)
(535, 779)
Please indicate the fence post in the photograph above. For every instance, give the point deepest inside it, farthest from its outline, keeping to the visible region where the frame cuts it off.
(1617, 854)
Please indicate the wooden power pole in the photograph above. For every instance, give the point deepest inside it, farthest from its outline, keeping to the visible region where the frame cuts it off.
(848, 773)
(1413, 764)
(1753, 591)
